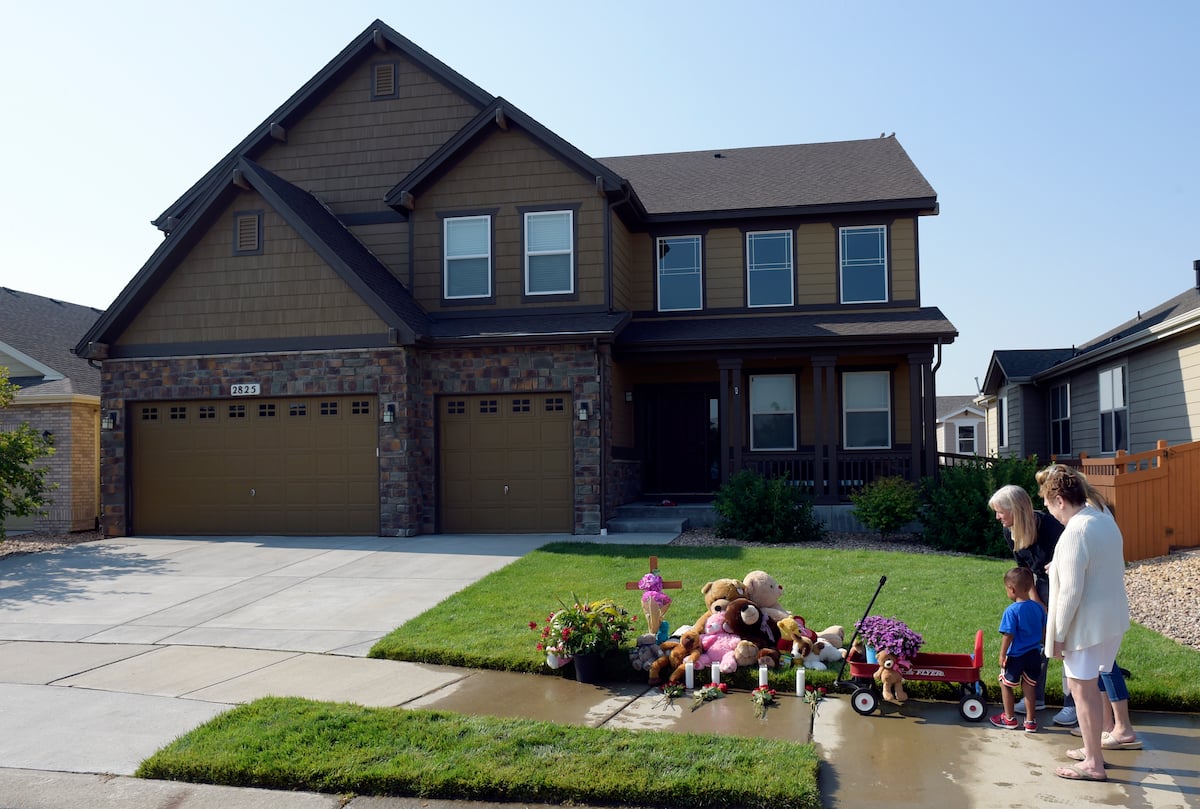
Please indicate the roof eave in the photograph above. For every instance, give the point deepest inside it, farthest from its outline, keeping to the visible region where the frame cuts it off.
(922, 206)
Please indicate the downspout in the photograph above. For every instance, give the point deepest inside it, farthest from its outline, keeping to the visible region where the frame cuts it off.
(938, 363)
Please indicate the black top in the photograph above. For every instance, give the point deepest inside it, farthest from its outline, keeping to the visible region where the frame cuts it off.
(1038, 555)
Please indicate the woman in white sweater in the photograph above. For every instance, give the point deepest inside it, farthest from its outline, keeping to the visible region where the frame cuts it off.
(1088, 612)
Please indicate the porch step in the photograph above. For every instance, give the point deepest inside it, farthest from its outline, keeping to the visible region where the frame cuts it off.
(647, 525)
(656, 518)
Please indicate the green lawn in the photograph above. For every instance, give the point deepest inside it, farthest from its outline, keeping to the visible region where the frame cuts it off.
(338, 748)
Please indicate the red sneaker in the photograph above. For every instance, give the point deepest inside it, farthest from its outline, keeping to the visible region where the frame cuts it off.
(1002, 721)
(1031, 726)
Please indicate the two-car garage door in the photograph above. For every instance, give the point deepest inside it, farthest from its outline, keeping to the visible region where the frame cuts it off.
(256, 466)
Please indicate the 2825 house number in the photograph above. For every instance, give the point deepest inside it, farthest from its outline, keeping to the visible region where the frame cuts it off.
(251, 389)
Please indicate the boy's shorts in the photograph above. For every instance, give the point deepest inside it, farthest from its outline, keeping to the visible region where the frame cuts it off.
(1027, 668)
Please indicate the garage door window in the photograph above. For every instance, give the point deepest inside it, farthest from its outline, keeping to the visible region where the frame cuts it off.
(149, 414)
(237, 411)
(360, 408)
(298, 409)
(206, 412)
(177, 413)
(329, 408)
(555, 404)
(266, 411)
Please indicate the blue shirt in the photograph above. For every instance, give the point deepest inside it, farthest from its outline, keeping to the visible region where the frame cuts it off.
(1026, 622)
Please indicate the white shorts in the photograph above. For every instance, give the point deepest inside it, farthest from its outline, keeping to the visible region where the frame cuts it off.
(1087, 663)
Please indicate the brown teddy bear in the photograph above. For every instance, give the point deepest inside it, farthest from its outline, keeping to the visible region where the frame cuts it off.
(742, 618)
(761, 588)
(890, 676)
(717, 594)
(673, 663)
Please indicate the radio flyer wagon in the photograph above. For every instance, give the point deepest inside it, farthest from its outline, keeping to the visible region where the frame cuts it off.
(961, 669)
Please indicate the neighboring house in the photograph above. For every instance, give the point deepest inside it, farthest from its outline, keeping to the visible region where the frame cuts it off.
(59, 393)
(401, 305)
(1127, 389)
(960, 425)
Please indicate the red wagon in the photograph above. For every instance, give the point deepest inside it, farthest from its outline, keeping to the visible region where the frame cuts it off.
(945, 668)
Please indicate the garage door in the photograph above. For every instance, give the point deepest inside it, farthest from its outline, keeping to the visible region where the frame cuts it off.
(256, 466)
(506, 464)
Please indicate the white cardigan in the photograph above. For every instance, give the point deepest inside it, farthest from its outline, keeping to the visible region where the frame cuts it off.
(1088, 604)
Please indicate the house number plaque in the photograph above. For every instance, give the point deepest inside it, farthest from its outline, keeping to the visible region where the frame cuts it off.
(251, 389)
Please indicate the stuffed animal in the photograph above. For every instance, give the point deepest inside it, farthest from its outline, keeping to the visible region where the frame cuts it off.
(717, 594)
(743, 619)
(834, 635)
(745, 653)
(673, 664)
(792, 629)
(719, 645)
(647, 650)
(890, 676)
(764, 591)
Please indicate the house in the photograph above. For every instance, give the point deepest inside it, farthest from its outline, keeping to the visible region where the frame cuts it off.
(960, 425)
(401, 305)
(59, 393)
(1127, 389)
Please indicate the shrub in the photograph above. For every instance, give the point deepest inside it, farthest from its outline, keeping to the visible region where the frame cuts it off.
(956, 515)
(887, 504)
(754, 509)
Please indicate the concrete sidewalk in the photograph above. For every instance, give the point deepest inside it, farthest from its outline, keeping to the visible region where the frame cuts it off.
(110, 650)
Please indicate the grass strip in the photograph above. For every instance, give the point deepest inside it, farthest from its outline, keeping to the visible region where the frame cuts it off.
(297, 744)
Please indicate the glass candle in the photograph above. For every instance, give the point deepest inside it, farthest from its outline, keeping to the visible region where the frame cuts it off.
(762, 675)
(716, 673)
(800, 681)
(689, 675)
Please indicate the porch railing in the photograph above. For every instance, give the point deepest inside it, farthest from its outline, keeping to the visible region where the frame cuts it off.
(850, 471)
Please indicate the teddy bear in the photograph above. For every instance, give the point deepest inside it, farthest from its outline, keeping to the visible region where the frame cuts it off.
(890, 676)
(742, 618)
(828, 646)
(716, 595)
(673, 663)
(719, 645)
(761, 588)
(645, 652)
(791, 630)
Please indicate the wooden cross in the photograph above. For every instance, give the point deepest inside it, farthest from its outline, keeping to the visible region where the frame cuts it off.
(667, 585)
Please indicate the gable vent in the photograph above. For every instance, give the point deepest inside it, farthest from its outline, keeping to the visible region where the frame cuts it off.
(384, 80)
(246, 233)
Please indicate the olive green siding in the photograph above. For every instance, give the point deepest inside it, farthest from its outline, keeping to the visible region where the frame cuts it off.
(288, 291)
(642, 284)
(903, 259)
(626, 266)
(389, 243)
(724, 281)
(350, 151)
(816, 264)
(504, 174)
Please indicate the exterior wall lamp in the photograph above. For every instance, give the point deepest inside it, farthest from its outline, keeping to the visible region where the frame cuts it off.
(389, 413)
(583, 411)
(108, 420)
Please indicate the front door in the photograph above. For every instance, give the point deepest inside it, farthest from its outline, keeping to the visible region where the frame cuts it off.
(678, 430)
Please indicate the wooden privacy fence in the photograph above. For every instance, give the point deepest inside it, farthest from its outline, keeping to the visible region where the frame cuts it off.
(1156, 496)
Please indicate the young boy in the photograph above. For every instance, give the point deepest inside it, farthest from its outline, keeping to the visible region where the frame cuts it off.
(1022, 628)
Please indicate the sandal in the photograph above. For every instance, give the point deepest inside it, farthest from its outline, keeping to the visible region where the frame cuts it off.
(1080, 755)
(1111, 742)
(1078, 774)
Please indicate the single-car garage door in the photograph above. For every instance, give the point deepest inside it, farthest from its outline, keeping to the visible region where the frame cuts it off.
(506, 463)
(256, 466)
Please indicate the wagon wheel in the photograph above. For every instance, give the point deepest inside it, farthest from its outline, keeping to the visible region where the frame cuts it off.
(973, 705)
(864, 700)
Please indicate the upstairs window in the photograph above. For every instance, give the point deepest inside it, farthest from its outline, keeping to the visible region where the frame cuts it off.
(966, 439)
(468, 261)
(864, 276)
(247, 233)
(549, 253)
(1002, 421)
(1060, 420)
(773, 412)
(867, 410)
(1114, 415)
(769, 277)
(679, 276)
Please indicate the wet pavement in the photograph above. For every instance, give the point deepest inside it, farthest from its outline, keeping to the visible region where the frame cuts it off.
(110, 650)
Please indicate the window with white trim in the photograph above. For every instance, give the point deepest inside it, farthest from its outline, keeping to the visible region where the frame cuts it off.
(867, 409)
(1002, 421)
(468, 260)
(864, 276)
(1114, 414)
(966, 439)
(680, 279)
(769, 276)
(549, 253)
(1060, 419)
(773, 412)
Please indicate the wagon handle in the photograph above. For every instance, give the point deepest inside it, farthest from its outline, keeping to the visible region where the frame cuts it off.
(854, 637)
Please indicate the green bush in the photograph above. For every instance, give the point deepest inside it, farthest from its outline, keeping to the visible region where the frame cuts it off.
(887, 504)
(956, 516)
(751, 508)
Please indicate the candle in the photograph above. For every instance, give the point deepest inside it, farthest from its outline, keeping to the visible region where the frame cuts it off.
(762, 675)
(800, 681)
(716, 673)
(689, 675)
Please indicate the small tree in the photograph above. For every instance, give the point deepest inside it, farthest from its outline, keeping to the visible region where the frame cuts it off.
(23, 485)
(887, 504)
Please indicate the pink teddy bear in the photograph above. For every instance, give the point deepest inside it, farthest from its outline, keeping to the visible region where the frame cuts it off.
(719, 645)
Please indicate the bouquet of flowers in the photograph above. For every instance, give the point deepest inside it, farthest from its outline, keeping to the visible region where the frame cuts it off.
(670, 692)
(891, 634)
(582, 627)
(762, 697)
(708, 693)
(654, 601)
(813, 697)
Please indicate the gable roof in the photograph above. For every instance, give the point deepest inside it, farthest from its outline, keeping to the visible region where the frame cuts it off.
(1020, 366)
(375, 37)
(43, 330)
(875, 174)
(953, 405)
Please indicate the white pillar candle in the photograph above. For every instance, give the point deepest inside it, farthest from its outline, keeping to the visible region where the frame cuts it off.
(762, 675)
(689, 675)
(716, 673)
(800, 681)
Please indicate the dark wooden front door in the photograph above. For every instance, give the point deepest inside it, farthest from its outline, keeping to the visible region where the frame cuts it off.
(678, 432)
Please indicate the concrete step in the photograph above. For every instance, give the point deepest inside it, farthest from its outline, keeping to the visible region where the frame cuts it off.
(697, 514)
(648, 525)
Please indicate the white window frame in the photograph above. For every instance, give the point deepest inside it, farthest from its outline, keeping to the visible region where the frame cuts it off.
(569, 252)
(1057, 423)
(1107, 394)
(847, 410)
(852, 264)
(959, 426)
(1002, 422)
(751, 269)
(697, 271)
(448, 259)
(773, 408)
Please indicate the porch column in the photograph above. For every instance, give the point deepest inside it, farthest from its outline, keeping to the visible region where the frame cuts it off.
(921, 407)
(825, 421)
(731, 415)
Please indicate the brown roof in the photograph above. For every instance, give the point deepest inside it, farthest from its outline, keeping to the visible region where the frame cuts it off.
(844, 173)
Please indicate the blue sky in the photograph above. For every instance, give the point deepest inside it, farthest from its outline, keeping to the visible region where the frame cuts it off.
(1061, 137)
